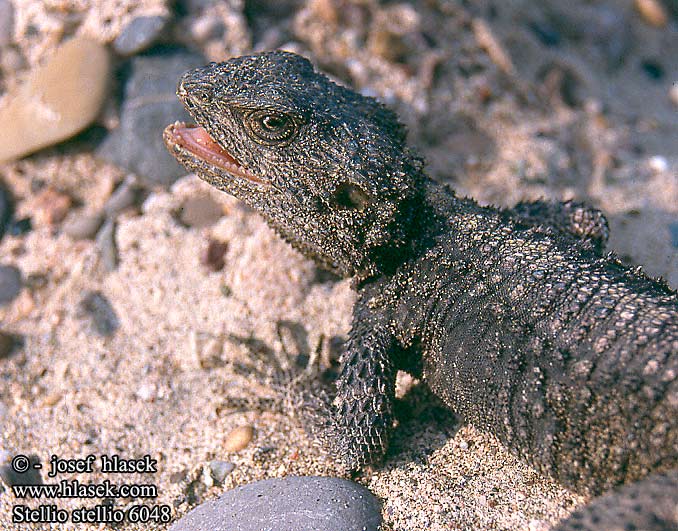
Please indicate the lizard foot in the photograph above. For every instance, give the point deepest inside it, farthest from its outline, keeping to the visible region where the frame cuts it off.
(299, 384)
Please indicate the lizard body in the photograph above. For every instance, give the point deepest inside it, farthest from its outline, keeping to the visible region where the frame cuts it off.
(514, 318)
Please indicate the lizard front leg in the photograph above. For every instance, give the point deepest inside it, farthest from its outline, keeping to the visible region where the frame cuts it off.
(362, 411)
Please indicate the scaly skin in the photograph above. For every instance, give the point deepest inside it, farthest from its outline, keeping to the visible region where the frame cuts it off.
(513, 317)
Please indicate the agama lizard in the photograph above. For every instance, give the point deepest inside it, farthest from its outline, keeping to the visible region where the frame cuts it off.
(514, 318)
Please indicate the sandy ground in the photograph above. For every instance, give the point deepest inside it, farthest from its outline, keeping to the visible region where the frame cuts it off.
(554, 121)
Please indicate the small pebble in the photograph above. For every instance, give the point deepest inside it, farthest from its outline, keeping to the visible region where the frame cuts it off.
(149, 104)
(50, 207)
(206, 27)
(52, 399)
(24, 304)
(653, 69)
(6, 22)
(20, 226)
(81, 226)
(5, 208)
(538, 525)
(238, 439)
(658, 164)
(673, 233)
(106, 244)
(201, 211)
(140, 34)
(11, 477)
(220, 469)
(225, 290)
(10, 284)
(207, 478)
(326, 10)
(58, 99)
(104, 319)
(210, 354)
(178, 477)
(147, 392)
(123, 197)
(36, 281)
(6, 344)
(495, 50)
(213, 256)
(652, 12)
(11, 59)
(673, 94)
(288, 504)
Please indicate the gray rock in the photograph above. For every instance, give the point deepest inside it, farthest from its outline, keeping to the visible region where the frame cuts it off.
(106, 244)
(220, 469)
(140, 34)
(123, 197)
(103, 317)
(10, 284)
(6, 22)
(149, 105)
(82, 226)
(288, 504)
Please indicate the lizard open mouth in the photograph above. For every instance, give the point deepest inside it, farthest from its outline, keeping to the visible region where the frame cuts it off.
(197, 141)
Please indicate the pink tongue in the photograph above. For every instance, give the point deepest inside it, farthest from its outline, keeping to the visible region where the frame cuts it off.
(201, 139)
(197, 140)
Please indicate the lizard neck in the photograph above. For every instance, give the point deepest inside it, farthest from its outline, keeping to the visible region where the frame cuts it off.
(433, 210)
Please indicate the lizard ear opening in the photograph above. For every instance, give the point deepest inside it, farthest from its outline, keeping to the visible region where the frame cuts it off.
(348, 196)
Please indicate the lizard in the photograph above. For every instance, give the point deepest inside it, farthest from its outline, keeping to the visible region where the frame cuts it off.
(515, 318)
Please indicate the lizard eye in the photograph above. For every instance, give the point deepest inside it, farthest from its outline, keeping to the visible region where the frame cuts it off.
(270, 127)
(348, 196)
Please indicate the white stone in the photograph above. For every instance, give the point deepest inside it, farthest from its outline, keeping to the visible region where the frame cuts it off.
(58, 99)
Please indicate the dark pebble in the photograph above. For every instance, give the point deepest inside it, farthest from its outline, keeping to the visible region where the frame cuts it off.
(10, 284)
(104, 319)
(5, 207)
(36, 281)
(149, 104)
(213, 256)
(546, 33)
(139, 35)
(106, 243)
(225, 290)
(11, 477)
(20, 226)
(652, 69)
(288, 504)
(6, 344)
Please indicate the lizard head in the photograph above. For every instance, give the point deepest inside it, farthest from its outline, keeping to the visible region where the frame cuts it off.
(326, 167)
